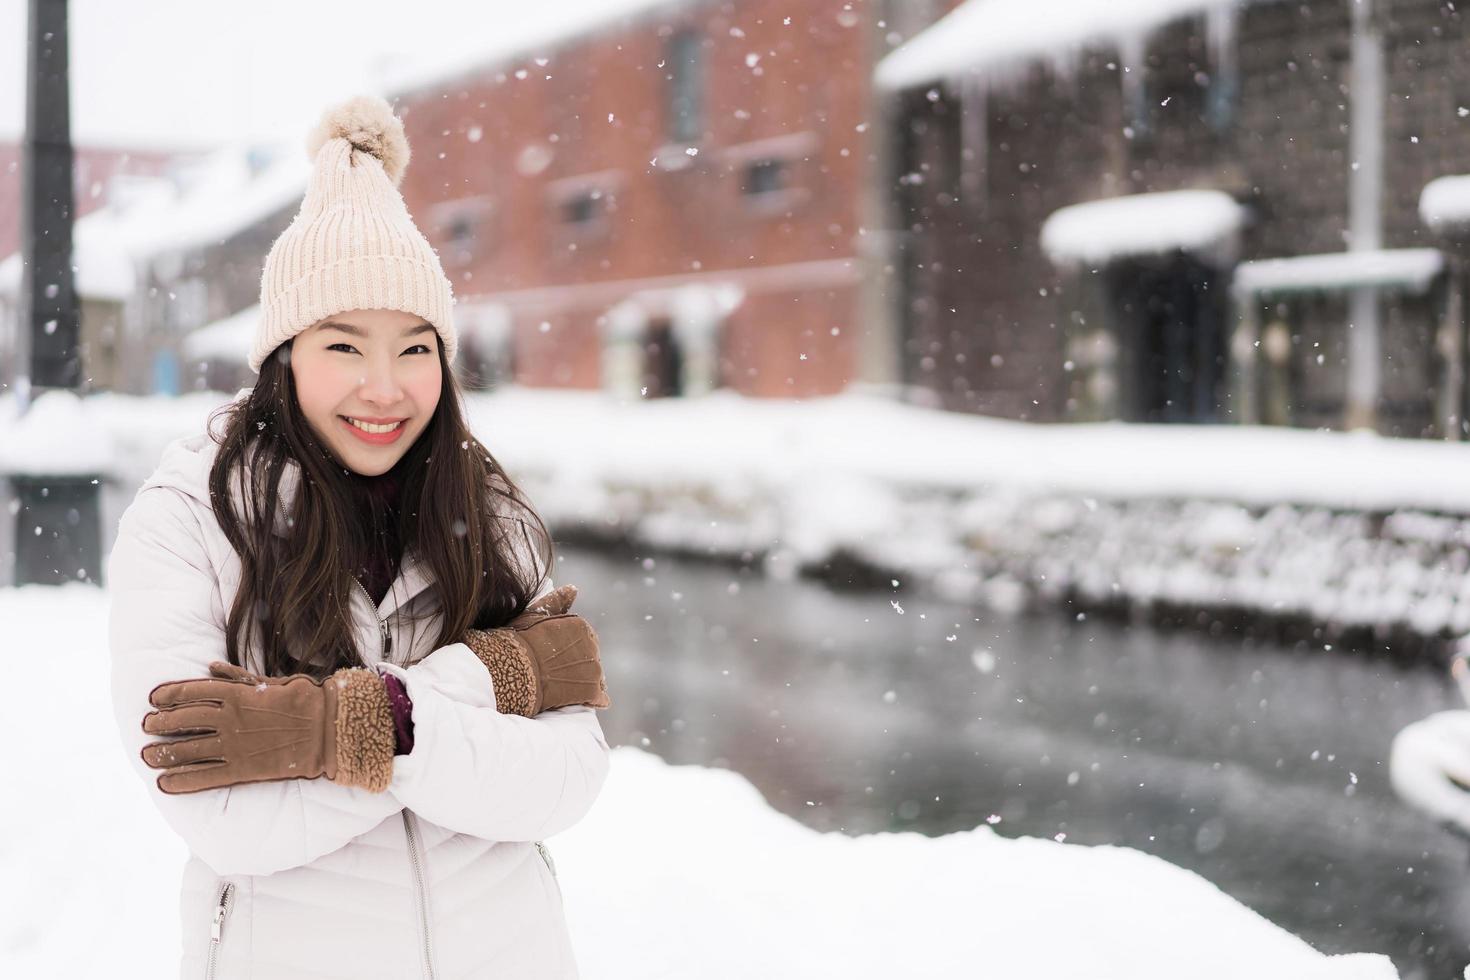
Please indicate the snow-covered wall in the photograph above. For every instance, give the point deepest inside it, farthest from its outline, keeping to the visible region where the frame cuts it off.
(1359, 535)
(1337, 530)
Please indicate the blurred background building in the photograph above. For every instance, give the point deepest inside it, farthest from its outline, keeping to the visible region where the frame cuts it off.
(663, 206)
(1192, 211)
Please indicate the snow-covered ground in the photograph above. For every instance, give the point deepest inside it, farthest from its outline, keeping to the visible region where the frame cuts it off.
(1339, 529)
(678, 871)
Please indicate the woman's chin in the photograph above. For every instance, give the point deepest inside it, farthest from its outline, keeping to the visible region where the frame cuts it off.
(364, 463)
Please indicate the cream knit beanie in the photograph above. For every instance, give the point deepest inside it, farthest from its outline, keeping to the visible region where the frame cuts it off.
(353, 245)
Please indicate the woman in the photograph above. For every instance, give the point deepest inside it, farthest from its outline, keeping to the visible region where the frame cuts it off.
(328, 663)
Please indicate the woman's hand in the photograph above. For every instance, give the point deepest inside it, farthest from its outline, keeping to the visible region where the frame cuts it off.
(248, 729)
(545, 658)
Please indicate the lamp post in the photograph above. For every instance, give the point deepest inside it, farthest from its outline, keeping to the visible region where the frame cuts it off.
(57, 524)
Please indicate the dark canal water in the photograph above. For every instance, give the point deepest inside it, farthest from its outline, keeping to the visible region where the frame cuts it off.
(1262, 768)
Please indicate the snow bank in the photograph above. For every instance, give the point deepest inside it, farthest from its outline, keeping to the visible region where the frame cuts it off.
(1276, 522)
(676, 869)
(136, 431)
(57, 436)
(1140, 224)
(730, 446)
(777, 899)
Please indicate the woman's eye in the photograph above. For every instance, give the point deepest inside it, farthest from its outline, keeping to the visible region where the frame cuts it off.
(416, 348)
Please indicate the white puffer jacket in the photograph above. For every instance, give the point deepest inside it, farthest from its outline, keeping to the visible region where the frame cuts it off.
(442, 876)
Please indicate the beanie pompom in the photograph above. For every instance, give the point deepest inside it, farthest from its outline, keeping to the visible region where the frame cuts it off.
(368, 123)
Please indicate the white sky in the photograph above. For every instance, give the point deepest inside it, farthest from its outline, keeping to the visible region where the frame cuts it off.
(186, 72)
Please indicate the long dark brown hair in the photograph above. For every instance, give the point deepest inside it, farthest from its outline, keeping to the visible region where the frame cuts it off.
(458, 511)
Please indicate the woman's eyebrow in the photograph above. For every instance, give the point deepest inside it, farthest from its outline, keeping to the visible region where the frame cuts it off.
(356, 331)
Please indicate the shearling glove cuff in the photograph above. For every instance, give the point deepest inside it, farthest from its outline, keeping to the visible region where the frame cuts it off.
(510, 670)
(545, 658)
(365, 735)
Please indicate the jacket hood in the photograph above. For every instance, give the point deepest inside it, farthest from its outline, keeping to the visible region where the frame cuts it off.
(186, 463)
(185, 467)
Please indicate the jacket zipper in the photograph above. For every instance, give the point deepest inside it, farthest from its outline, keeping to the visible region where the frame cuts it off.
(413, 852)
(418, 873)
(550, 866)
(546, 856)
(382, 623)
(216, 928)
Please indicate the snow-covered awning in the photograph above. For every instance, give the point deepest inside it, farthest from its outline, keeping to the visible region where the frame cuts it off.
(1445, 202)
(695, 309)
(486, 323)
(983, 35)
(1140, 224)
(224, 341)
(1408, 269)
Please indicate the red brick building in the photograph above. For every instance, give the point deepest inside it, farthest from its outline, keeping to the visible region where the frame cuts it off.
(666, 204)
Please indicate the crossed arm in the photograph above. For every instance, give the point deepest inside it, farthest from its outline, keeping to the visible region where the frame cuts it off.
(473, 769)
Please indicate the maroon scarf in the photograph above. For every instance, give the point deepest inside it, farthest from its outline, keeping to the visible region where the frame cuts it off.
(376, 572)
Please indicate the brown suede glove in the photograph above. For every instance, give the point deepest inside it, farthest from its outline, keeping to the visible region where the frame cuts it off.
(250, 729)
(545, 658)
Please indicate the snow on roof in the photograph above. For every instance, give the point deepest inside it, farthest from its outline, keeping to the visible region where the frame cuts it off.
(983, 35)
(102, 270)
(1445, 202)
(536, 30)
(1140, 224)
(1410, 269)
(148, 216)
(227, 340)
(226, 195)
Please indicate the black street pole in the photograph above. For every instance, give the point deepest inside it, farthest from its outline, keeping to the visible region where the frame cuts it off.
(57, 525)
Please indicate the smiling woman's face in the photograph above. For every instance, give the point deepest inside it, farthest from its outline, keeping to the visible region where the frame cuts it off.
(366, 370)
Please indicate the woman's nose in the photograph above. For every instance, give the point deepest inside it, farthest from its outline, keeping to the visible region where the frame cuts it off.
(380, 385)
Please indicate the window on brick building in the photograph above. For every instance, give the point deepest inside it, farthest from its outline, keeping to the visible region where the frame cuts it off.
(1133, 77)
(1224, 74)
(461, 231)
(767, 176)
(1185, 76)
(583, 208)
(464, 227)
(683, 70)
